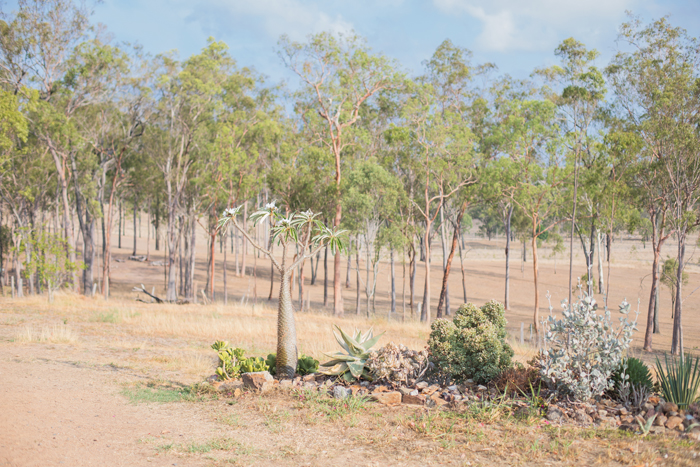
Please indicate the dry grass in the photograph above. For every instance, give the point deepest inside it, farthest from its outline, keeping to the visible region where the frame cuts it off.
(56, 334)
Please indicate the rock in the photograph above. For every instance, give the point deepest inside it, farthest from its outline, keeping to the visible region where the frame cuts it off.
(602, 413)
(660, 420)
(297, 381)
(647, 407)
(651, 413)
(669, 407)
(640, 419)
(413, 399)
(355, 389)
(212, 379)
(629, 427)
(379, 389)
(285, 383)
(653, 400)
(627, 419)
(387, 398)
(554, 414)
(327, 383)
(481, 388)
(237, 392)
(657, 430)
(230, 386)
(430, 390)
(457, 397)
(622, 411)
(309, 385)
(340, 392)
(406, 391)
(674, 422)
(672, 413)
(307, 378)
(439, 401)
(421, 385)
(453, 388)
(583, 418)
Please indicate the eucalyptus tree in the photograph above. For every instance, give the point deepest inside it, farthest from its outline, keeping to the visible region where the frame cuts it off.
(188, 95)
(338, 75)
(372, 197)
(442, 154)
(305, 232)
(38, 45)
(579, 92)
(656, 85)
(541, 173)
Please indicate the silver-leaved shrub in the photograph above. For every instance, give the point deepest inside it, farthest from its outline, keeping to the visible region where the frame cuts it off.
(583, 348)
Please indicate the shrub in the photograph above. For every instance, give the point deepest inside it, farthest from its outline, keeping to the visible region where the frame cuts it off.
(582, 349)
(637, 372)
(307, 365)
(679, 379)
(473, 345)
(230, 360)
(398, 364)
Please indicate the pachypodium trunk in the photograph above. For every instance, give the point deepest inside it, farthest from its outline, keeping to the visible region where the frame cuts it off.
(286, 330)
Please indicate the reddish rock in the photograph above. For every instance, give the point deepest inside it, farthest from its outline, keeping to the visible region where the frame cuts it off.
(669, 407)
(256, 380)
(379, 389)
(439, 401)
(674, 422)
(413, 400)
(654, 400)
(387, 398)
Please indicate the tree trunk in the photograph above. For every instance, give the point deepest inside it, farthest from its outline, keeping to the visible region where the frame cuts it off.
(573, 224)
(325, 277)
(461, 264)
(337, 291)
(244, 244)
(119, 230)
(349, 266)
(536, 315)
(148, 233)
(601, 276)
(425, 312)
(212, 255)
(192, 292)
(392, 309)
(171, 245)
(444, 291)
(677, 340)
(223, 247)
(507, 292)
(133, 253)
(357, 281)
(412, 266)
(657, 239)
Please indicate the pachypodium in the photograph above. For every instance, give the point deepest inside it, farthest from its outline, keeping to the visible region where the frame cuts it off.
(300, 230)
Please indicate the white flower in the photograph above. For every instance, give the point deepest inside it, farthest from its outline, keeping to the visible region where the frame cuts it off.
(271, 206)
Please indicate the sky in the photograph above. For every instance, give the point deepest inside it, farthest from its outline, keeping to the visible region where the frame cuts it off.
(517, 35)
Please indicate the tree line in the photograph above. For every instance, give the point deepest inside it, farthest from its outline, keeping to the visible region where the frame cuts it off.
(576, 152)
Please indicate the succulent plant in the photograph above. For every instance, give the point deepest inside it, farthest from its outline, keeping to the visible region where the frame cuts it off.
(271, 363)
(253, 364)
(350, 365)
(230, 360)
(307, 365)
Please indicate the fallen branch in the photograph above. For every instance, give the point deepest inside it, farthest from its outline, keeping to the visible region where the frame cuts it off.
(143, 289)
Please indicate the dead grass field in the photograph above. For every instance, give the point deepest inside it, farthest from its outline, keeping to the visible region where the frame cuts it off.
(125, 374)
(84, 380)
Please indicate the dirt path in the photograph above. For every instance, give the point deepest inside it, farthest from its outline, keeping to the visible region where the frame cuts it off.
(56, 411)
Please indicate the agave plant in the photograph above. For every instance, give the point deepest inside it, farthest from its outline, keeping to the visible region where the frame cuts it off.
(350, 365)
(680, 379)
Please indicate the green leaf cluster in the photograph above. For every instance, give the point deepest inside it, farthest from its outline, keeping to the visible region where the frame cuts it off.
(679, 379)
(350, 364)
(306, 365)
(473, 345)
(637, 373)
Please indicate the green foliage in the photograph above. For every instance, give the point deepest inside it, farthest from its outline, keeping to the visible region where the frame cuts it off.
(473, 345)
(271, 362)
(253, 364)
(638, 373)
(47, 255)
(679, 379)
(350, 365)
(307, 365)
(230, 360)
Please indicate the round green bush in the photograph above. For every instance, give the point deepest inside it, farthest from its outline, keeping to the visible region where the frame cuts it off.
(472, 345)
(638, 372)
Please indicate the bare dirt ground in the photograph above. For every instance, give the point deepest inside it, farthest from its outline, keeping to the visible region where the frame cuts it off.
(88, 382)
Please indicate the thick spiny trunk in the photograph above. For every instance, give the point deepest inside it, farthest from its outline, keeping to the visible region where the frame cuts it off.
(286, 330)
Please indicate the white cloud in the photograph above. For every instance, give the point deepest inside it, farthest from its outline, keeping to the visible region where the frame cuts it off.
(277, 17)
(528, 25)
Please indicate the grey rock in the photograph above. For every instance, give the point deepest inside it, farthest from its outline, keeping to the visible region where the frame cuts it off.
(414, 392)
(405, 391)
(554, 414)
(340, 392)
